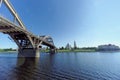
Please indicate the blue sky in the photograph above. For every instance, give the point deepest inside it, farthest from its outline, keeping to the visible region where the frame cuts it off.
(88, 22)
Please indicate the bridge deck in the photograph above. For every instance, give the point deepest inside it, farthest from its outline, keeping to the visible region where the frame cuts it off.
(7, 27)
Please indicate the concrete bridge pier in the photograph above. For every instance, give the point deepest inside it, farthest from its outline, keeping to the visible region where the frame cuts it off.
(52, 51)
(29, 52)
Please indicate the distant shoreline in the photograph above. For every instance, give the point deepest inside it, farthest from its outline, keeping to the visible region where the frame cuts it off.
(68, 51)
(80, 50)
(8, 51)
(76, 50)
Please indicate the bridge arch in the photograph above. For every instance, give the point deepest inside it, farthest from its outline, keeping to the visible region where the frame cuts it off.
(47, 39)
(27, 42)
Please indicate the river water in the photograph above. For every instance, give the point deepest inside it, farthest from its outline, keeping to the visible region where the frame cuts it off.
(61, 66)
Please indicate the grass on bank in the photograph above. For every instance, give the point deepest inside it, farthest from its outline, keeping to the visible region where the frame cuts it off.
(58, 50)
(78, 50)
(7, 50)
(72, 50)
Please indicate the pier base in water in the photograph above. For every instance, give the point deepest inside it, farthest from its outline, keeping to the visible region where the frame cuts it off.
(52, 51)
(28, 52)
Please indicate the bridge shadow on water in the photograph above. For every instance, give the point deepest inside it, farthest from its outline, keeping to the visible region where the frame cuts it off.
(32, 69)
(26, 68)
(28, 61)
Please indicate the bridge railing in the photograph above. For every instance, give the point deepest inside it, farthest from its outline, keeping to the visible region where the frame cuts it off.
(7, 19)
(3, 16)
(5, 13)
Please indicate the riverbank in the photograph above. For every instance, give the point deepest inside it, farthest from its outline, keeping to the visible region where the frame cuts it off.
(7, 50)
(75, 50)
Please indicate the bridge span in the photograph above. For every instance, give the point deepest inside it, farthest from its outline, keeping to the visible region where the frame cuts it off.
(27, 42)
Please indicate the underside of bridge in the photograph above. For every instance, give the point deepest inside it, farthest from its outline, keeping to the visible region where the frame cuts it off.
(28, 43)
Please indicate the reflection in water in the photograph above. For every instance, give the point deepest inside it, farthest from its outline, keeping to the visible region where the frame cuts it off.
(30, 69)
(61, 66)
(22, 61)
(26, 68)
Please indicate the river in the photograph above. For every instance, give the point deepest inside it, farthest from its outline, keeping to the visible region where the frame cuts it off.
(61, 66)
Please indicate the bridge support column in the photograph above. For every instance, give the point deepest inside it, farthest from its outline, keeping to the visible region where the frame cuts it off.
(28, 52)
(52, 50)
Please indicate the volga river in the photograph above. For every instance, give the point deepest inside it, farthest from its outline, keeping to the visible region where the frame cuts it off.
(61, 66)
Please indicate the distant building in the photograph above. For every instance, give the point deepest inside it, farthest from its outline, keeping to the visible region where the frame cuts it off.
(75, 46)
(108, 47)
(68, 46)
